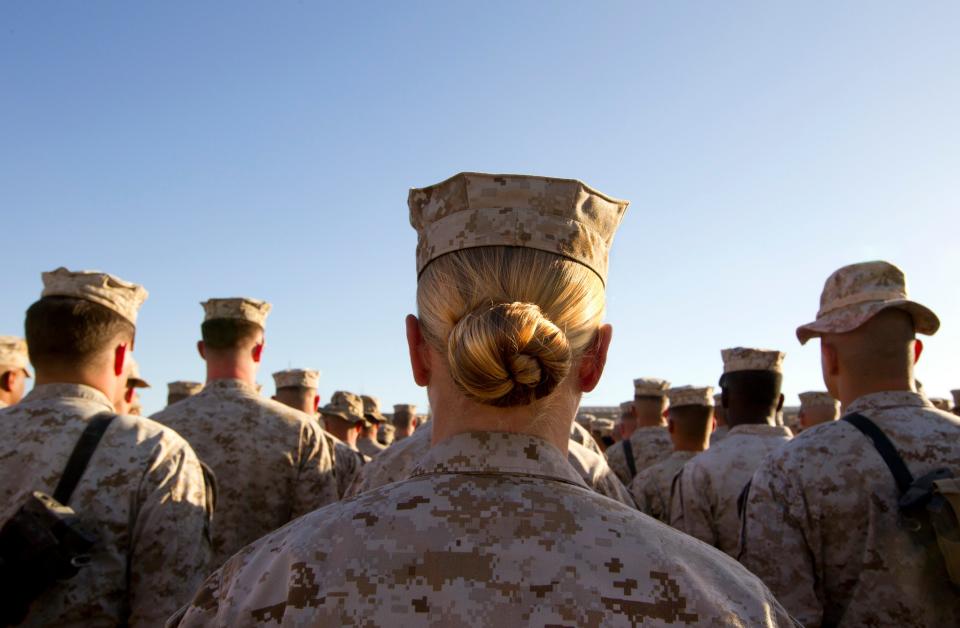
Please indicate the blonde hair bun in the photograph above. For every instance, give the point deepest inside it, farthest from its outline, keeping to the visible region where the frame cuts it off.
(507, 354)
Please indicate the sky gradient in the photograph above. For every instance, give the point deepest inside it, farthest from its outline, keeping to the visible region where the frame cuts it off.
(265, 150)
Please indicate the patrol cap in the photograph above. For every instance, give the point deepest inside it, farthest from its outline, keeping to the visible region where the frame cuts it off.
(650, 387)
(134, 380)
(691, 396)
(856, 293)
(120, 296)
(371, 409)
(300, 378)
(405, 408)
(749, 359)
(346, 406)
(817, 398)
(626, 407)
(604, 427)
(182, 387)
(13, 353)
(471, 209)
(236, 308)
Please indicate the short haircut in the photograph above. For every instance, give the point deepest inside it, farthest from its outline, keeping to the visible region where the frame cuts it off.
(64, 331)
(691, 421)
(403, 419)
(228, 333)
(753, 391)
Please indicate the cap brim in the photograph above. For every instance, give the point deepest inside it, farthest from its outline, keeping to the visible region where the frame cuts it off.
(848, 318)
(375, 417)
(135, 382)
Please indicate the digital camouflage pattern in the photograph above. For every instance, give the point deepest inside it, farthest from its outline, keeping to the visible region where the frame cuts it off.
(299, 378)
(581, 435)
(750, 359)
(650, 445)
(854, 294)
(369, 448)
(121, 296)
(184, 388)
(492, 528)
(817, 398)
(691, 396)
(650, 387)
(471, 209)
(704, 497)
(236, 308)
(347, 463)
(821, 526)
(143, 494)
(401, 458)
(651, 487)
(13, 354)
(272, 462)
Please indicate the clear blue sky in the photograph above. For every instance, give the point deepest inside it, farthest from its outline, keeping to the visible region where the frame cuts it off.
(265, 149)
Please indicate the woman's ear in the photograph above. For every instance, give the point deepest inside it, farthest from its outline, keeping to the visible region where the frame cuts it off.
(595, 359)
(419, 352)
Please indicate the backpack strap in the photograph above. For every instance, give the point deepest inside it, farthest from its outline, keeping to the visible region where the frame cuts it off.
(628, 454)
(885, 448)
(81, 455)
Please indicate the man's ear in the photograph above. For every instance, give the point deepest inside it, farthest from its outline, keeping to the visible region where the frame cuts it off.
(128, 395)
(7, 381)
(202, 349)
(917, 350)
(418, 350)
(316, 403)
(257, 352)
(595, 359)
(119, 359)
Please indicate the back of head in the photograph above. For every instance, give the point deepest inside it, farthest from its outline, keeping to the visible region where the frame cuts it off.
(880, 349)
(751, 396)
(300, 398)
(510, 321)
(226, 336)
(650, 409)
(692, 423)
(67, 334)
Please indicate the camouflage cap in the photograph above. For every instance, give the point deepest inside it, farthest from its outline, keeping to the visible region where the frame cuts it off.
(817, 398)
(134, 380)
(346, 406)
(405, 408)
(586, 419)
(371, 409)
(748, 359)
(13, 353)
(181, 387)
(650, 387)
(691, 396)
(854, 294)
(471, 209)
(604, 427)
(300, 378)
(236, 308)
(120, 296)
(626, 407)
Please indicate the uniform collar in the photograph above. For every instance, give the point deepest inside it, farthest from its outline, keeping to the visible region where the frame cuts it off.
(42, 392)
(888, 399)
(760, 429)
(683, 455)
(498, 453)
(229, 384)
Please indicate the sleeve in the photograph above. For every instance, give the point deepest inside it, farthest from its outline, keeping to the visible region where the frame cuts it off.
(170, 547)
(316, 480)
(773, 541)
(690, 509)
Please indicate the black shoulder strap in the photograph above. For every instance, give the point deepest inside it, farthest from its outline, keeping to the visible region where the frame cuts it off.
(80, 457)
(628, 454)
(885, 448)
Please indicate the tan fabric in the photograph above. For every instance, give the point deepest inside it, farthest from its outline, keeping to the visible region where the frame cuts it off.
(237, 308)
(650, 445)
(369, 448)
(650, 387)
(749, 359)
(271, 461)
(134, 379)
(718, 434)
(13, 354)
(407, 408)
(299, 378)
(347, 463)
(582, 435)
(815, 399)
(371, 409)
(473, 209)
(143, 493)
(856, 293)
(399, 460)
(346, 406)
(493, 529)
(691, 396)
(823, 531)
(121, 296)
(704, 497)
(651, 487)
(603, 427)
(941, 403)
(626, 407)
(184, 388)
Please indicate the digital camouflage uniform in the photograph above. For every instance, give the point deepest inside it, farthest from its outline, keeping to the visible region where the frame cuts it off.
(369, 448)
(271, 461)
(430, 551)
(704, 497)
(650, 445)
(347, 463)
(651, 487)
(821, 526)
(398, 462)
(143, 494)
